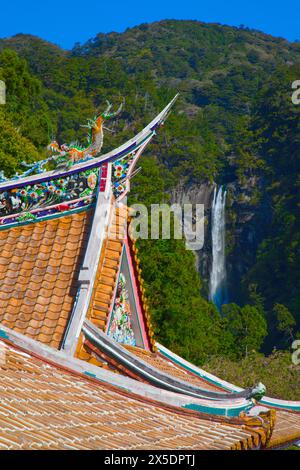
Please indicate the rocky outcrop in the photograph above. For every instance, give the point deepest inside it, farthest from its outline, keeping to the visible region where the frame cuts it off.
(247, 215)
(198, 194)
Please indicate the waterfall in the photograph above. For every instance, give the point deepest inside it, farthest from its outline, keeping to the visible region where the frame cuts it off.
(217, 287)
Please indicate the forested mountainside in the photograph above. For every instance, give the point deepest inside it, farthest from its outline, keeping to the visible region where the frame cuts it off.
(234, 124)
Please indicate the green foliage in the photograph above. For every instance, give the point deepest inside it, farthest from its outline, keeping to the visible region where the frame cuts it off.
(221, 129)
(149, 185)
(183, 320)
(276, 123)
(25, 106)
(217, 70)
(246, 327)
(285, 321)
(277, 372)
(245, 161)
(14, 148)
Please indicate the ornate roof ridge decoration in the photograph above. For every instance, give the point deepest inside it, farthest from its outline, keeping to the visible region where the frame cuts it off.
(218, 403)
(66, 156)
(121, 329)
(128, 147)
(265, 420)
(60, 196)
(261, 428)
(290, 406)
(76, 181)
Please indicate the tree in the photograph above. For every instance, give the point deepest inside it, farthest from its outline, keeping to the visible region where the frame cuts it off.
(247, 325)
(14, 148)
(275, 121)
(285, 321)
(25, 106)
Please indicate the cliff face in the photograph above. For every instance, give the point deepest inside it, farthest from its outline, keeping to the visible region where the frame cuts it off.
(246, 219)
(248, 216)
(199, 194)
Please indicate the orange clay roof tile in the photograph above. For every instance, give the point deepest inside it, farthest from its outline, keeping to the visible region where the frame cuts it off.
(39, 266)
(287, 428)
(44, 407)
(161, 363)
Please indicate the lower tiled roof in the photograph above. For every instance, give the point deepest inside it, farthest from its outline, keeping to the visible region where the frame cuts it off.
(286, 429)
(39, 265)
(159, 362)
(46, 407)
(287, 425)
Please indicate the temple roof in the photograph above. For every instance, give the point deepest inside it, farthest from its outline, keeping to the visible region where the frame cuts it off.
(39, 266)
(286, 429)
(43, 406)
(161, 363)
(80, 367)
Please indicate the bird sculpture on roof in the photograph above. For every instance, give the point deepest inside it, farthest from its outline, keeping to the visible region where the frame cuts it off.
(73, 153)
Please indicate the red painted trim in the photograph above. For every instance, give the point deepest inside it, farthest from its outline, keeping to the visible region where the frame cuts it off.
(137, 294)
(103, 180)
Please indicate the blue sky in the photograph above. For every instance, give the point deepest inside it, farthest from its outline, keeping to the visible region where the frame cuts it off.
(65, 22)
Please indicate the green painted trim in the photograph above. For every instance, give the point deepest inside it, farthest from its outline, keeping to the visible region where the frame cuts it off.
(90, 374)
(230, 412)
(190, 369)
(219, 384)
(283, 406)
(3, 334)
(47, 217)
